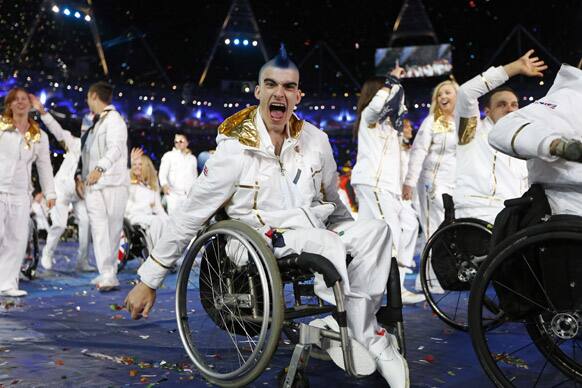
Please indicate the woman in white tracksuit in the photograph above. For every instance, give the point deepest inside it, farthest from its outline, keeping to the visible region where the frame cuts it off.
(376, 177)
(431, 169)
(21, 143)
(144, 205)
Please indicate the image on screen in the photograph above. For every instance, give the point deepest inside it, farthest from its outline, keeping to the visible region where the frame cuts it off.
(417, 61)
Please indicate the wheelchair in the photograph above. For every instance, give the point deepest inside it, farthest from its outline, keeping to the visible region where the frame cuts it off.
(32, 255)
(133, 244)
(532, 281)
(449, 264)
(234, 298)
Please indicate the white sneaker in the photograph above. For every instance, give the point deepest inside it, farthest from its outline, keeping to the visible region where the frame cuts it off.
(46, 262)
(108, 283)
(96, 280)
(364, 363)
(409, 297)
(84, 266)
(13, 292)
(390, 363)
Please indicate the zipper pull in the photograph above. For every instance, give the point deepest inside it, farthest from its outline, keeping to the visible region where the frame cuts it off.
(281, 167)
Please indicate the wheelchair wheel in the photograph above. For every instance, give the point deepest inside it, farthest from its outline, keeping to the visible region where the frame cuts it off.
(28, 268)
(229, 304)
(537, 340)
(124, 250)
(448, 265)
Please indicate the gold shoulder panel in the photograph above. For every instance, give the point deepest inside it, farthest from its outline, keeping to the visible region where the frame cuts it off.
(467, 129)
(6, 124)
(295, 126)
(241, 126)
(441, 125)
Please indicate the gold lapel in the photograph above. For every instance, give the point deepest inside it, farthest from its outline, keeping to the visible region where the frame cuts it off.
(441, 125)
(30, 136)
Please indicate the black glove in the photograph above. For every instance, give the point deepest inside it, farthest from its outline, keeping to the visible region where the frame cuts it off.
(568, 149)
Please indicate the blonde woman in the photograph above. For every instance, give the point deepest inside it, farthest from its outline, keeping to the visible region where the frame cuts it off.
(144, 206)
(431, 169)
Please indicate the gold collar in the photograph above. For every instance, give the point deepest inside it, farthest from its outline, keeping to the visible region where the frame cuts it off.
(241, 126)
(32, 135)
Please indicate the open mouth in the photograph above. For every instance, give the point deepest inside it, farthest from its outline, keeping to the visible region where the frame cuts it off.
(277, 110)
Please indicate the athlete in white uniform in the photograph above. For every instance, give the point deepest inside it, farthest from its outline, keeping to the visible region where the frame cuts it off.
(548, 134)
(178, 171)
(272, 170)
(486, 178)
(22, 143)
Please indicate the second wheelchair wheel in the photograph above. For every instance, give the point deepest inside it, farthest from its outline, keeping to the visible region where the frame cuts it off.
(448, 265)
(538, 340)
(229, 304)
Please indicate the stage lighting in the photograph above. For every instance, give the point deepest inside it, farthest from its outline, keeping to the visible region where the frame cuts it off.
(149, 110)
(77, 14)
(67, 12)
(227, 41)
(42, 97)
(255, 43)
(236, 42)
(87, 18)
(55, 9)
(246, 42)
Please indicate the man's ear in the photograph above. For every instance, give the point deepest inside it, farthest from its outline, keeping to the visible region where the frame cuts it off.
(257, 91)
(298, 96)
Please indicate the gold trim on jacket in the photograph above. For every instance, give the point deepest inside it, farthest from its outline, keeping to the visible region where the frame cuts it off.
(32, 135)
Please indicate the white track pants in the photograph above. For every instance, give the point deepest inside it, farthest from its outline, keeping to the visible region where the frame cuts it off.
(432, 210)
(106, 208)
(368, 242)
(174, 202)
(153, 224)
(14, 229)
(59, 215)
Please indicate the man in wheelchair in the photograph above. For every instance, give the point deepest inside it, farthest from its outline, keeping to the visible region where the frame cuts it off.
(273, 171)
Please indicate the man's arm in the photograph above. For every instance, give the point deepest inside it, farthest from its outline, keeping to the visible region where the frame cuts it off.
(62, 135)
(116, 140)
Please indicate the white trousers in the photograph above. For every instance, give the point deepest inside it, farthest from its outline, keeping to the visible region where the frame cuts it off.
(59, 215)
(410, 226)
(485, 213)
(106, 208)
(174, 202)
(153, 224)
(432, 210)
(368, 242)
(14, 230)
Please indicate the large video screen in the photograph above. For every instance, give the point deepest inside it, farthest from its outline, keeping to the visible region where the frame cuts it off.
(417, 61)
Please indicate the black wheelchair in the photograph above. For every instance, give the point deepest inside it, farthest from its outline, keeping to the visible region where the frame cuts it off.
(525, 308)
(133, 244)
(234, 298)
(32, 255)
(449, 264)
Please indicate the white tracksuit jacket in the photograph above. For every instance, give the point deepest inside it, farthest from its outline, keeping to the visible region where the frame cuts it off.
(178, 170)
(485, 178)
(528, 132)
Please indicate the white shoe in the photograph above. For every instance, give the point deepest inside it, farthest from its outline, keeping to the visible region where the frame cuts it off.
(96, 280)
(83, 266)
(46, 262)
(364, 364)
(13, 292)
(108, 283)
(409, 297)
(390, 363)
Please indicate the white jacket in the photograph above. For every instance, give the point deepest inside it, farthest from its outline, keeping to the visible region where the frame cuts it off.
(65, 177)
(17, 153)
(142, 201)
(108, 150)
(433, 154)
(378, 161)
(298, 189)
(485, 178)
(178, 170)
(528, 132)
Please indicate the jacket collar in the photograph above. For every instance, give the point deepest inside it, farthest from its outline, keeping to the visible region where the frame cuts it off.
(250, 130)
(32, 135)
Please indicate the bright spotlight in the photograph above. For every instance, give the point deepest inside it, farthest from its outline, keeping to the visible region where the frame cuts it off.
(77, 14)
(87, 18)
(236, 42)
(55, 9)
(42, 97)
(149, 110)
(67, 12)
(227, 41)
(246, 42)
(255, 43)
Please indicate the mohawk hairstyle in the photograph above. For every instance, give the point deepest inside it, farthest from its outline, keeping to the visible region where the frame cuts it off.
(280, 61)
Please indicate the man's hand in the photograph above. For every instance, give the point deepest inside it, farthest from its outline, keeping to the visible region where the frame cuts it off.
(50, 203)
(136, 154)
(407, 192)
(398, 72)
(570, 150)
(140, 301)
(166, 189)
(36, 104)
(80, 188)
(526, 65)
(93, 177)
